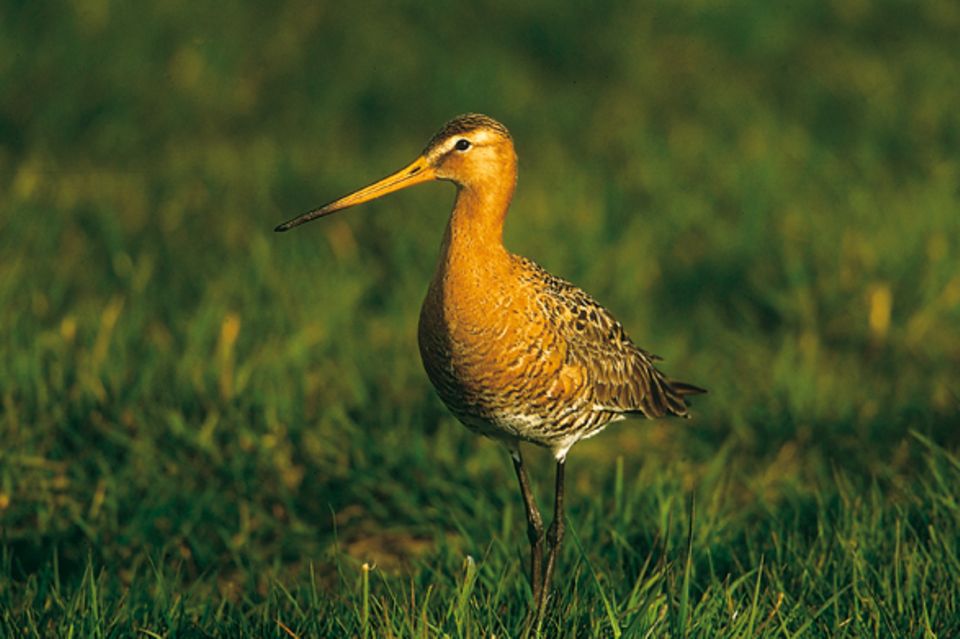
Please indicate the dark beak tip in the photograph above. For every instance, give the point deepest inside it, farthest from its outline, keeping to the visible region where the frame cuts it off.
(281, 228)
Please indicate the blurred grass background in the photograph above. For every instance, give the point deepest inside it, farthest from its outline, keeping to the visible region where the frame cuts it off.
(206, 427)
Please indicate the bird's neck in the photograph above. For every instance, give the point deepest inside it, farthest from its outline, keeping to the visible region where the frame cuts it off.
(473, 261)
(476, 224)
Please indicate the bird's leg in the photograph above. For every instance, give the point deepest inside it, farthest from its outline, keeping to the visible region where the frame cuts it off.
(554, 537)
(534, 524)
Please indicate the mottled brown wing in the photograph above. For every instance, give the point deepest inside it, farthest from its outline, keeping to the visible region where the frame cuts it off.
(621, 376)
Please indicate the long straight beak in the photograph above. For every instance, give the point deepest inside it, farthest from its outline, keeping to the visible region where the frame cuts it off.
(415, 173)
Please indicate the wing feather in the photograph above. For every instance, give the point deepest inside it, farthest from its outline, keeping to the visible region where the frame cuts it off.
(620, 375)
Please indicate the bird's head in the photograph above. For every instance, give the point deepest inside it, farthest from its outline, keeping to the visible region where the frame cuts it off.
(470, 150)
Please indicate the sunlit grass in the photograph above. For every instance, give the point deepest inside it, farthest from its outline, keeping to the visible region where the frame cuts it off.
(207, 429)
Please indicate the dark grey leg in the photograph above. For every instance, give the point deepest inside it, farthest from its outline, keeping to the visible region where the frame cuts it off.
(554, 537)
(534, 525)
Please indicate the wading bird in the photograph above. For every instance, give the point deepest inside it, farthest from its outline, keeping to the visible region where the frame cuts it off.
(515, 353)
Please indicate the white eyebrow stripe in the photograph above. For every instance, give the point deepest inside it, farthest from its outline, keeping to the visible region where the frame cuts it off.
(476, 137)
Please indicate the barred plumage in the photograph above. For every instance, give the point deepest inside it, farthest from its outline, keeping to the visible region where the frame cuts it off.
(561, 373)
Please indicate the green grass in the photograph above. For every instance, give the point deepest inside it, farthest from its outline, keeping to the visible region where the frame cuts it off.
(208, 429)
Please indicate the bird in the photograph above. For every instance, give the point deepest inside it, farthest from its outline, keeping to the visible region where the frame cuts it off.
(515, 353)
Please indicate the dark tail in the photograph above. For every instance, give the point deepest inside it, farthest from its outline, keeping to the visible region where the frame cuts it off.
(683, 389)
(668, 398)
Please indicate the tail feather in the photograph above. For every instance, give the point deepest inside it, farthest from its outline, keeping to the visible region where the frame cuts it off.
(684, 389)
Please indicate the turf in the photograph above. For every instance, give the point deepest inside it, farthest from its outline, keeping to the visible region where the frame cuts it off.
(210, 430)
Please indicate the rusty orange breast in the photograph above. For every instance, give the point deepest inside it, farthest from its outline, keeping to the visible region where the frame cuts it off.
(487, 347)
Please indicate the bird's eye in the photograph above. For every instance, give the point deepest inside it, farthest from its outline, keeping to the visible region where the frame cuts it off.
(462, 144)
